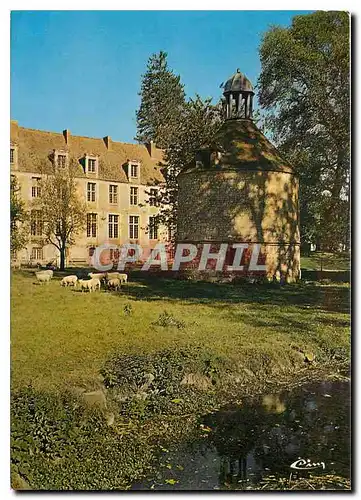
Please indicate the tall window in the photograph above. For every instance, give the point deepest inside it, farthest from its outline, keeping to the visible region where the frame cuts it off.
(61, 161)
(91, 165)
(153, 228)
(153, 197)
(91, 191)
(11, 155)
(36, 253)
(36, 223)
(91, 225)
(133, 227)
(113, 193)
(113, 226)
(134, 169)
(134, 196)
(35, 188)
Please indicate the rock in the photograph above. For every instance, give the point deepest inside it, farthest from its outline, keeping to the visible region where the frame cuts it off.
(197, 380)
(109, 418)
(95, 398)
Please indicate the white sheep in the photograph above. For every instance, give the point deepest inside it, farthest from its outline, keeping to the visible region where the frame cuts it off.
(96, 283)
(122, 277)
(43, 277)
(114, 283)
(69, 280)
(46, 271)
(99, 276)
(86, 285)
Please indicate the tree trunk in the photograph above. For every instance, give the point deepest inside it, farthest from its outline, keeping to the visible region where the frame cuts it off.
(62, 259)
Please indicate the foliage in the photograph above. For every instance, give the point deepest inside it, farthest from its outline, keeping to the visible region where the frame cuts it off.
(18, 218)
(155, 382)
(162, 100)
(199, 122)
(165, 319)
(63, 210)
(304, 88)
(58, 443)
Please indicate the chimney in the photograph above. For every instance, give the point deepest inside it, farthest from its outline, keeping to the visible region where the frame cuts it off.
(151, 148)
(66, 134)
(108, 142)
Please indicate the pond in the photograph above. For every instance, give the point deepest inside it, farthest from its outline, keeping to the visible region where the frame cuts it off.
(303, 431)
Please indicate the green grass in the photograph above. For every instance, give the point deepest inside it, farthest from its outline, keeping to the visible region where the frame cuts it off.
(326, 261)
(61, 338)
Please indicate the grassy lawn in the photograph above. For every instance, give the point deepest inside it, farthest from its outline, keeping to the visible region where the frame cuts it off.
(326, 261)
(61, 337)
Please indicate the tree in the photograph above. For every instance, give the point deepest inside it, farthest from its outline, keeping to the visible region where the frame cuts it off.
(18, 218)
(63, 211)
(199, 122)
(162, 100)
(304, 89)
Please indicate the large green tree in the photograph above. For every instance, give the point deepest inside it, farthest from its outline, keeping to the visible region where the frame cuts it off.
(304, 89)
(199, 122)
(63, 210)
(162, 99)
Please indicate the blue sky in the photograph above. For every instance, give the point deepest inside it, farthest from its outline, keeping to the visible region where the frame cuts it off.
(82, 70)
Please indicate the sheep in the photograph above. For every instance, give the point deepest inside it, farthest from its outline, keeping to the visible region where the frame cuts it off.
(43, 277)
(122, 277)
(99, 276)
(69, 280)
(47, 271)
(114, 284)
(86, 285)
(96, 283)
(90, 285)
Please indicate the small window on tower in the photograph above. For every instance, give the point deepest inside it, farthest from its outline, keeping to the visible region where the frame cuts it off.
(12, 155)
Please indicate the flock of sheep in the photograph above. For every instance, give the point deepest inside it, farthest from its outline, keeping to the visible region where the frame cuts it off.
(112, 281)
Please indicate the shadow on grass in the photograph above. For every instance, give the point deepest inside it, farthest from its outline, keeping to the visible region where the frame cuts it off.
(331, 298)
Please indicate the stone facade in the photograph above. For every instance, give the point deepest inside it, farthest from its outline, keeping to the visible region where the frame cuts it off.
(103, 163)
(245, 194)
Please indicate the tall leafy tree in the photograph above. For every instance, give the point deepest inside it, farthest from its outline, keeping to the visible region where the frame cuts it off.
(18, 218)
(304, 88)
(63, 210)
(196, 129)
(162, 100)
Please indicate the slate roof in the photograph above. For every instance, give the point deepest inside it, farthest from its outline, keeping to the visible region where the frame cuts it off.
(242, 146)
(35, 148)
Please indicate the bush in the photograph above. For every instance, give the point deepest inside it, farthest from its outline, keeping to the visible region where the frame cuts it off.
(57, 443)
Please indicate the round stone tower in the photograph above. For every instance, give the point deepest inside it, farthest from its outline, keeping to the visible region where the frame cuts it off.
(241, 192)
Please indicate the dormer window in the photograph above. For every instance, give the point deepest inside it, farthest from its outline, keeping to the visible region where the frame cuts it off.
(133, 170)
(60, 159)
(13, 155)
(91, 164)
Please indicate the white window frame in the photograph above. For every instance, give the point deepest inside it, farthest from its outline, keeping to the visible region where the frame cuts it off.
(91, 225)
(133, 225)
(35, 188)
(113, 224)
(132, 196)
(38, 250)
(113, 196)
(135, 164)
(91, 194)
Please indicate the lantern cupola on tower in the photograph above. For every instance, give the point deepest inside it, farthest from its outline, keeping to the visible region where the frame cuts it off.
(238, 94)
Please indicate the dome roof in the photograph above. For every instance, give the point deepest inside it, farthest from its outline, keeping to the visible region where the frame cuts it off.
(238, 83)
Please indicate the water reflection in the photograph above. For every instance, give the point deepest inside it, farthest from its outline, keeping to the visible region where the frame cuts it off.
(266, 435)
